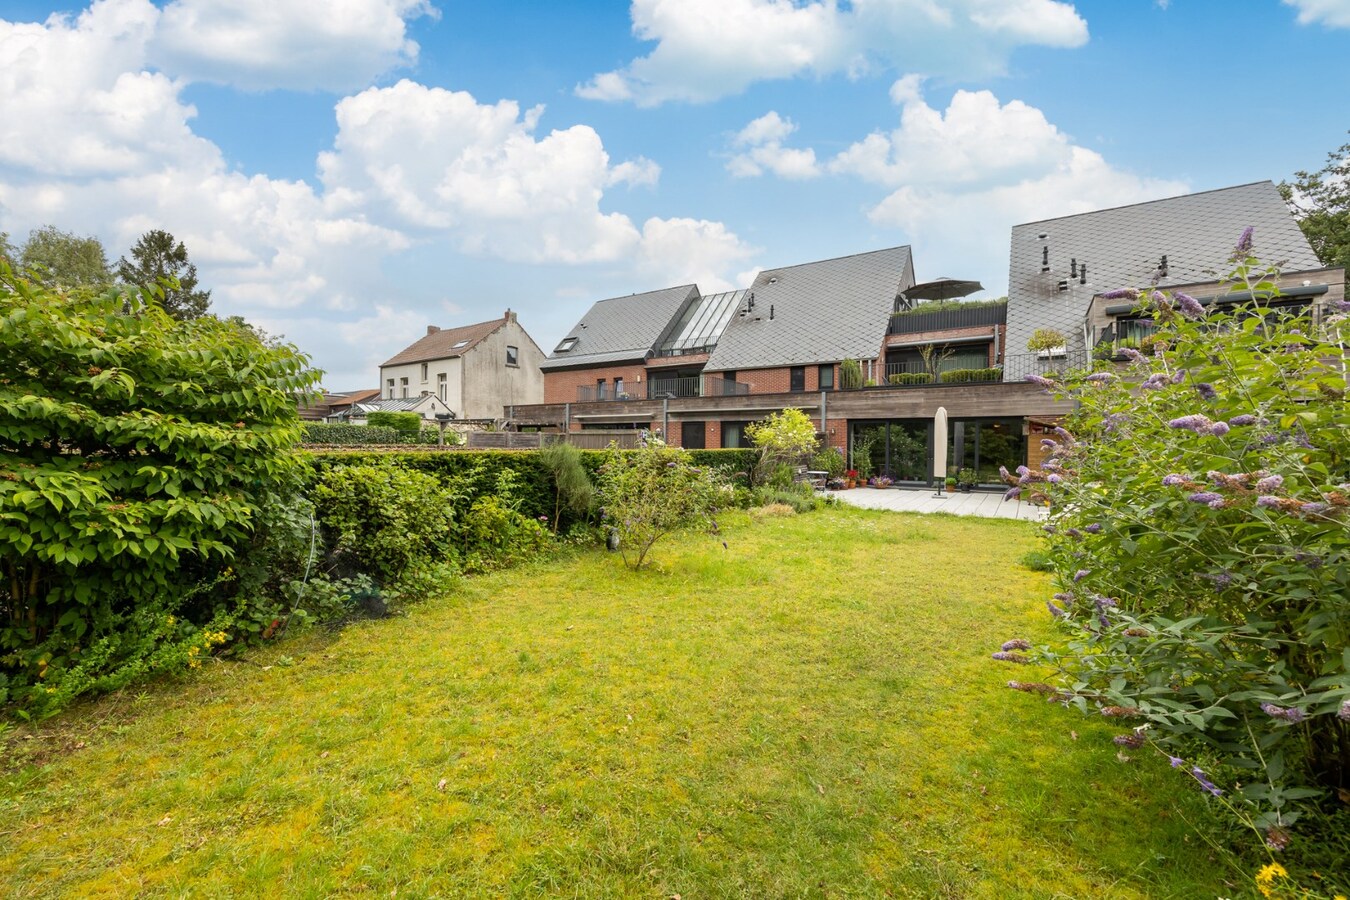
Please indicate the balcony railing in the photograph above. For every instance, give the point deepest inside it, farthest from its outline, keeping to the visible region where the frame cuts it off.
(593, 393)
(694, 386)
(949, 371)
(1018, 367)
(916, 320)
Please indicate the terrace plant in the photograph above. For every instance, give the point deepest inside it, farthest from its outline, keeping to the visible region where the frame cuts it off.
(783, 439)
(1046, 340)
(648, 493)
(850, 375)
(1199, 539)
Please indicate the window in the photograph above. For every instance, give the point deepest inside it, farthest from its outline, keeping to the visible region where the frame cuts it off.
(512, 356)
(460, 345)
(424, 373)
(391, 388)
(733, 434)
(797, 379)
(403, 386)
(827, 378)
(441, 388)
(618, 388)
(567, 344)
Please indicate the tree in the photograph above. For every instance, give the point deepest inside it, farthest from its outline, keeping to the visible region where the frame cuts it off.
(572, 488)
(784, 439)
(9, 254)
(159, 260)
(139, 453)
(59, 258)
(650, 492)
(1321, 202)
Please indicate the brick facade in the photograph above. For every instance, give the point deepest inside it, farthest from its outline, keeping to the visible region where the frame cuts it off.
(561, 387)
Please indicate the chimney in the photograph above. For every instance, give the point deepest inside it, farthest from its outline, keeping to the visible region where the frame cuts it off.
(432, 329)
(510, 316)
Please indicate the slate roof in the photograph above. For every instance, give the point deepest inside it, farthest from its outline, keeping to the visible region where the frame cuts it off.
(622, 329)
(1123, 247)
(823, 312)
(438, 344)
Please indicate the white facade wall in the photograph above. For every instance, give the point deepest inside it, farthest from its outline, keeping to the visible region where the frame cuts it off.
(490, 384)
(451, 368)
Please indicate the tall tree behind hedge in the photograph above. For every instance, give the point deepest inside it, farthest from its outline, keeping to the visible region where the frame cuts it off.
(572, 488)
(1321, 202)
(131, 444)
(160, 260)
(59, 258)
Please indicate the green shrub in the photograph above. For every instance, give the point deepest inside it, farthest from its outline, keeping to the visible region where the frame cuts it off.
(830, 461)
(963, 376)
(1043, 339)
(649, 492)
(850, 375)
(384, 520)
(338, 434)
(911, 378)
(800, 497)
(403, 422)
(141, 450)
(572, 488)
(1200, 544)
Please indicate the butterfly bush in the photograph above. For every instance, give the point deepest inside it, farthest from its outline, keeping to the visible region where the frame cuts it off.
(1200, 536)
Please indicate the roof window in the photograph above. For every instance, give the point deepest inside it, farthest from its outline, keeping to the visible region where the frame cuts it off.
(460, 344)
(567, 344)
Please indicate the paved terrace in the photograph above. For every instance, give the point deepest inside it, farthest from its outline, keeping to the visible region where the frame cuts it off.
(977, 503)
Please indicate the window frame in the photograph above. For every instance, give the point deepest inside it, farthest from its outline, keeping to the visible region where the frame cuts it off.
(512, 356)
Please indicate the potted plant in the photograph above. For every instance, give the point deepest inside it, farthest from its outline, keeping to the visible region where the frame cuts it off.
(1047, 342)
(951, 484)
(966, 479)
(836, 484)
(882, 481)
(850, 479)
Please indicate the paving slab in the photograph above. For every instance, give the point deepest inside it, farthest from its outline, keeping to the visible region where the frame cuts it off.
(988, 504)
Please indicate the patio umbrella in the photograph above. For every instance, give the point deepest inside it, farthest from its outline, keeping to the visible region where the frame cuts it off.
(940, 449)
(941, 289)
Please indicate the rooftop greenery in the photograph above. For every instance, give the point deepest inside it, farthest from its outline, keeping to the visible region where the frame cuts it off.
(933, 306)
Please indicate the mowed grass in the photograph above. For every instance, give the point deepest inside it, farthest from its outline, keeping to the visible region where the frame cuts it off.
(811, 711)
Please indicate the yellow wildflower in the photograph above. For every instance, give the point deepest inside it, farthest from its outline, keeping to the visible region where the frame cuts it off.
(1265, 879)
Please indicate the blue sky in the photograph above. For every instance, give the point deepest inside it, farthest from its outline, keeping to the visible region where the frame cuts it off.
(349, 179)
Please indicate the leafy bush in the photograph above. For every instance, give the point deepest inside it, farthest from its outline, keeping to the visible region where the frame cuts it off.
(383, 520)
(850, 375)
(650, 492)
(1200, 544)
(830, 461)
(910, 378)
(402, 422)
(141, 451)
(963, 376)
(784, 439)
(800, 497)
(337, 434)
(1043, 339)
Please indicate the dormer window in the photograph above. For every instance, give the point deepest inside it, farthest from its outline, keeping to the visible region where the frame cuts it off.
(567, 344)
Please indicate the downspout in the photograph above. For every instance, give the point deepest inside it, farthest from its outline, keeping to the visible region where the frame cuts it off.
(823, 428)
(665, 419)
(567, 417)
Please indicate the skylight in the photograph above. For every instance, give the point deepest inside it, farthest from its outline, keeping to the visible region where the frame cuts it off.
(567, 344)
(460, 344)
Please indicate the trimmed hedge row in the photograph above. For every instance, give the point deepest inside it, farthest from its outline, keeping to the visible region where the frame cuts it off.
(961, 376)
(536, 483)
(336, 434)
(911, 378)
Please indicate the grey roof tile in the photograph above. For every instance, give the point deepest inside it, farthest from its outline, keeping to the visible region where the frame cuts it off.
(823, 311)
(622, 328)
(1122, 247)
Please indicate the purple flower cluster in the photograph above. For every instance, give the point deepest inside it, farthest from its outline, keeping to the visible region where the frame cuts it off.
(1189, 306)
(1032, 687)
(1100, 377)
(1270, 484)
(1315, 508)
(1268, 502)
(1012, 493)
(1344, 712)
(1007, 656)
(1064, 437)
(1340, 306)
(1244, 419)
(1155, 382)
(1055, 609)
(1207, 497)
(1200, 425)
(1042, 381)
(1080, 575)
(1244, 244)
(1206, 391)
(1131, 740)
(1016, 644)
(1131, 354)
(1121, 294)
(1286, 713)
(1175, 479)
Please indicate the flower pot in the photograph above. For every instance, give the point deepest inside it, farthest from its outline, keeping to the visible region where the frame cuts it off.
(951, 489)
(849, 485)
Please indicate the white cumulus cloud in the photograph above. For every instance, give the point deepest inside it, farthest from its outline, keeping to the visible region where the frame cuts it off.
(960, 177)
(761, 150)
(1332, 13)
(298, 44)
(707, 49)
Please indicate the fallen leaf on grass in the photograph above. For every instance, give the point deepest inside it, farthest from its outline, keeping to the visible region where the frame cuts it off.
(164, 821)
(440, 785)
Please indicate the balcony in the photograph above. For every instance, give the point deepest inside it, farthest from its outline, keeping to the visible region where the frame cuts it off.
(671, 388)
(953, 372)
(597, 393)
(958, 315)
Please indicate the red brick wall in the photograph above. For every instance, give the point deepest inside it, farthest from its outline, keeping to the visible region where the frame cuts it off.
(561, 387)
(779, 380)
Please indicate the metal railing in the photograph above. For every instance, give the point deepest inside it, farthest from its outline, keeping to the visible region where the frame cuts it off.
(588, 393)
(915, 372)
(1017, 367)
(916, 320)
(673, 387)
(717, 386)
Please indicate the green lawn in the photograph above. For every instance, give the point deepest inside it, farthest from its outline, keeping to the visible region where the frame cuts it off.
(809, 712)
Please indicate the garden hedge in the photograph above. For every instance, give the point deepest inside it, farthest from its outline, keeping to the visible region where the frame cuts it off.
(337, 434)
(962, 376)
